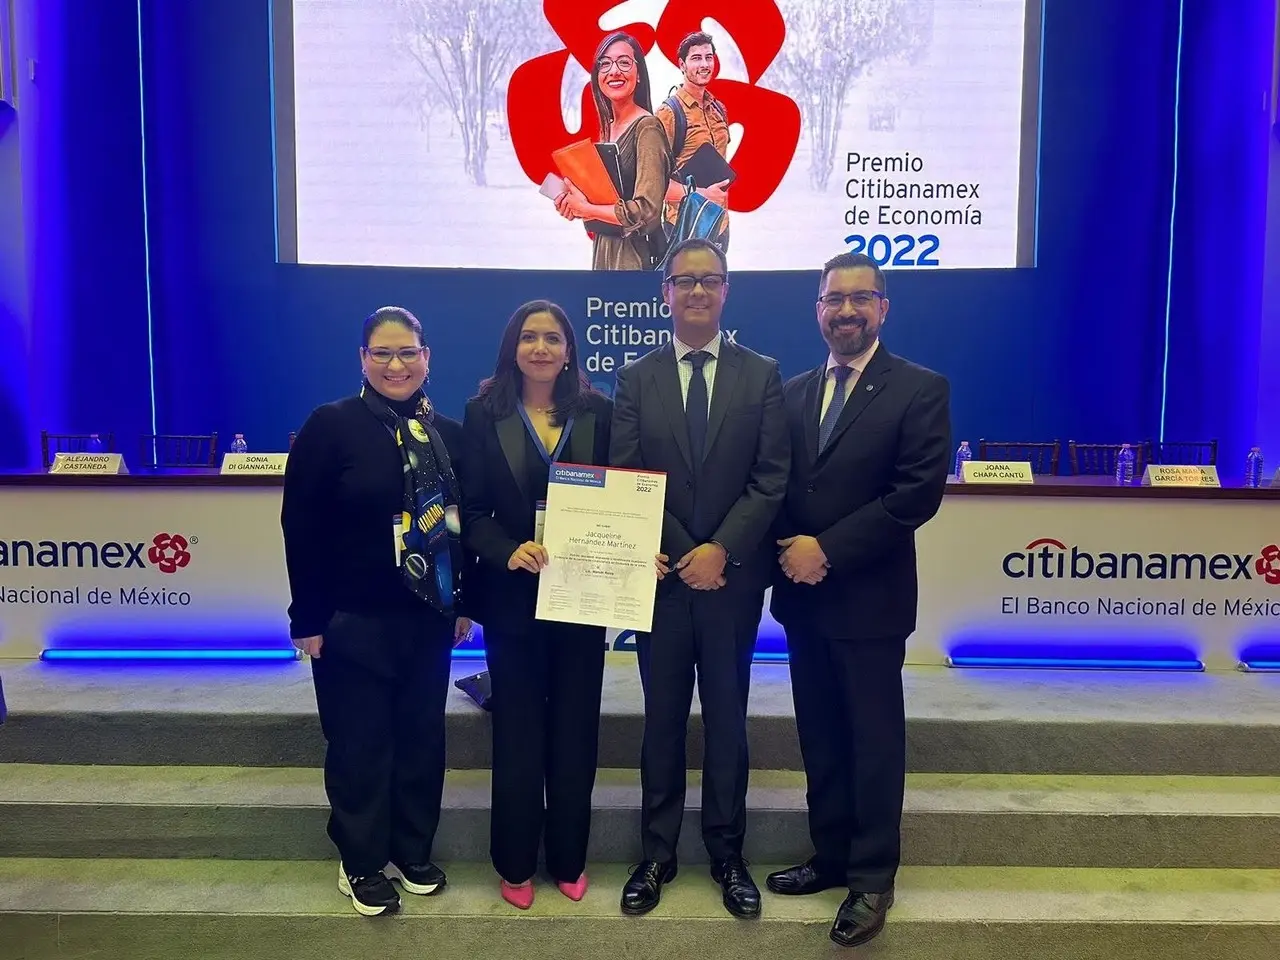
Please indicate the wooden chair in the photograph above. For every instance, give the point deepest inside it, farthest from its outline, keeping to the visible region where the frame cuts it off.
(52, 444)
(1184, 453)
(1042, 456)
(1099, 459)
(166, 450)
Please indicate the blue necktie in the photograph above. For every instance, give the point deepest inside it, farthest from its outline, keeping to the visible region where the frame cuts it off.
(695, 406)
(828, 425)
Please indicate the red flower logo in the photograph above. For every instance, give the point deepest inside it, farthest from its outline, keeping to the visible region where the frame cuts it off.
(1268, 564)
(168, 552)
(770, 120)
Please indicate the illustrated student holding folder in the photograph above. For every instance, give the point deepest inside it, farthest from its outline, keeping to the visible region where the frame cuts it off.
(697, 127)
(623, 216)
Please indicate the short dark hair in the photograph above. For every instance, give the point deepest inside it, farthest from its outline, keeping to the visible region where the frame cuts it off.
(849, 261)
(698, 39)
(501, 392)
(697, 243)
(383, 315)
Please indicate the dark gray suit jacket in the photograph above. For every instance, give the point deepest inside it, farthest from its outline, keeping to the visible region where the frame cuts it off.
(742, 480)
(881, 476)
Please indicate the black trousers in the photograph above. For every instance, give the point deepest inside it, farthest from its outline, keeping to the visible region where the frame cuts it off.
(853, 737)
(381, 684)
(707, 635)
(546, 726)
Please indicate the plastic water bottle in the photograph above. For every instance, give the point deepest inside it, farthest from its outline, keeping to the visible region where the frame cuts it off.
(95, 444)
(1253, 468)
(238, 445)
(963, 456)
(1124, 464)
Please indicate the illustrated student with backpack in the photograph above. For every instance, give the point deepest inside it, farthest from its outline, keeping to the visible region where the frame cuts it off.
(697, 128)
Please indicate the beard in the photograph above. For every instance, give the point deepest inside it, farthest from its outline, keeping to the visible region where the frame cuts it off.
(851, 338)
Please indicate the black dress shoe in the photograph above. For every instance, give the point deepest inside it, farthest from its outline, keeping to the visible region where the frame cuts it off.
(860, 918)
(808, 877)
(740, 894)
(644, 889)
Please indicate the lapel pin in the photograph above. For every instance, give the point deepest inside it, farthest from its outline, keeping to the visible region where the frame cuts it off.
(870, 388)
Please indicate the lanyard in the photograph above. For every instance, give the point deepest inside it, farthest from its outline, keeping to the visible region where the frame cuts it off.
(548, 458)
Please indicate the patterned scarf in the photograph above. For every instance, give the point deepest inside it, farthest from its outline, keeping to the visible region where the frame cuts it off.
(431, 562)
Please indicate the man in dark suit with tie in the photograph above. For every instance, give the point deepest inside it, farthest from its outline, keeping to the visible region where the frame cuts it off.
(708, 413)
(870, 445)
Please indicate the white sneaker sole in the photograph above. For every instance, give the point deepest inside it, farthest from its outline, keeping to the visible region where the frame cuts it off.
(344, 887)
(392, 872)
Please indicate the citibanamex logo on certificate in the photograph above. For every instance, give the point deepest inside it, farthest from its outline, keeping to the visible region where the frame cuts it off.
(583, 134)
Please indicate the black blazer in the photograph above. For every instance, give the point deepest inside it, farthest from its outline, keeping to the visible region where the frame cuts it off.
(498, 511)
(880, 477)
(743, 478)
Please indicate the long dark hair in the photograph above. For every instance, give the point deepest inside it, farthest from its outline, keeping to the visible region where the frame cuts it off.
(604, 106)
(501, 392)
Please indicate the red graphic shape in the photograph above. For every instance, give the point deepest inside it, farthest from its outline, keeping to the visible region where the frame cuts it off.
(1049, 540)
(770, 132)
(577, 24)
(1268, 564)
(168, 552)
(770, 120)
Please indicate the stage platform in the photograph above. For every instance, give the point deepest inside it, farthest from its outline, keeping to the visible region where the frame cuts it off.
(155, 811)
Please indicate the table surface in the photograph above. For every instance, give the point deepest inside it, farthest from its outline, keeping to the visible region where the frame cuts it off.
(1043, 487)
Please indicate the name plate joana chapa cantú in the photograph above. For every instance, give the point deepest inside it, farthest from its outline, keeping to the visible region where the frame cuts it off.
(998, 471)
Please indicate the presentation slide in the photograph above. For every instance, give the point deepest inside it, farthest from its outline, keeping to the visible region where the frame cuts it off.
(587, 134)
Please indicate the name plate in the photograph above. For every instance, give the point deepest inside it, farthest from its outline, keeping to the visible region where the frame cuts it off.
(1167, 475)
(104, 463)
(254, 462)
(998, 471)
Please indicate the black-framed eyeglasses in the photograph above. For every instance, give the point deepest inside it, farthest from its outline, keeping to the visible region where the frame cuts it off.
(859, 298)
(384, 355)
(624, 64)
(712, 282)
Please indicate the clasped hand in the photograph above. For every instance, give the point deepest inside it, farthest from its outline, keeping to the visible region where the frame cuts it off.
(702, 568)
(803, 560)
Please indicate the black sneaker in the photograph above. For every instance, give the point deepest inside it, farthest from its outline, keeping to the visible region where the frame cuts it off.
(424, 879)
(372, 896)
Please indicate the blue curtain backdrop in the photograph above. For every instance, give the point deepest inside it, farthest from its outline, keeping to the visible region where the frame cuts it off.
(187, 302)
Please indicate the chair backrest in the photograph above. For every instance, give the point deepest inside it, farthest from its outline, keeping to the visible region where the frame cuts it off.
(1042, 455)
(179, 450)
(1099, 459)
(52, 444)
(1184, 452)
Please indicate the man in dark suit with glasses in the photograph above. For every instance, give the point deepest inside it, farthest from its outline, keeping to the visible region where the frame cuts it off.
(870, 444)
(708, 413)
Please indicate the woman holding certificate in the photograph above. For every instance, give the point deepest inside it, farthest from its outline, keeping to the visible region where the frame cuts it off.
(537, 408)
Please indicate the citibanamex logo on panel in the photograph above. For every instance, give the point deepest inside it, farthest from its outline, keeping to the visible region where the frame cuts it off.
(166, 552)
(1048, 558)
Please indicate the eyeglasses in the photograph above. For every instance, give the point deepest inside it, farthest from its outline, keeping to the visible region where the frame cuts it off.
(624, 64)
(859, 298)
(407, 355)
(712, 282)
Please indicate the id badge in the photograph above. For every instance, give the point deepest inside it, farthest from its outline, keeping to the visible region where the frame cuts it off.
(397, 536)
(539, 521)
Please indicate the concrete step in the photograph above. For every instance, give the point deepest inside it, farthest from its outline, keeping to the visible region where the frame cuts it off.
(229, 910)
(265, 813)
(1028, 722)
